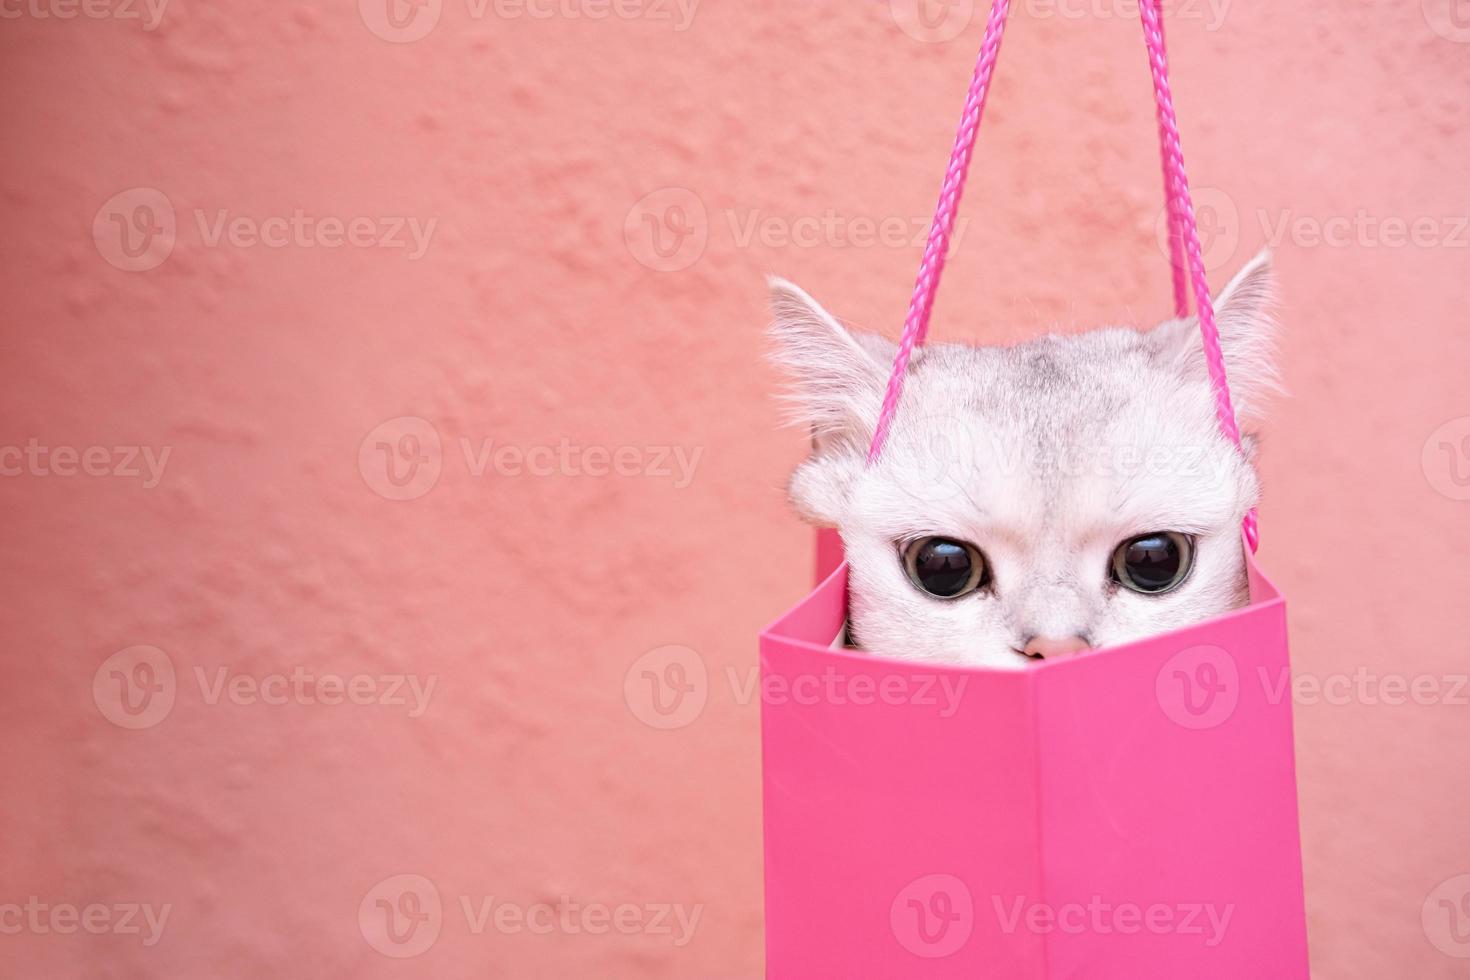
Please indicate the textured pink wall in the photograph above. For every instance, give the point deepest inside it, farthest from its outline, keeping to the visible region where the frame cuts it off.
(534, 310)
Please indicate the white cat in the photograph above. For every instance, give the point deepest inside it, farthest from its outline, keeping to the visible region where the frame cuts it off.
(1031, 501)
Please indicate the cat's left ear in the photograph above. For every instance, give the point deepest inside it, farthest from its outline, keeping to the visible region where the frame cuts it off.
(1245, 316)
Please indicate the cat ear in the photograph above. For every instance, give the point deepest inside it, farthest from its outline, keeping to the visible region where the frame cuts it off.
(1245, 316)
(837, 382)
(837, 376)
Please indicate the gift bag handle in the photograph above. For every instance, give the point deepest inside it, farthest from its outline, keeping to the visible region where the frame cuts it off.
(1186, 256)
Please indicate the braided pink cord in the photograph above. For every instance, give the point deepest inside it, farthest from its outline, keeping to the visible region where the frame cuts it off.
(1181, 219)
(1176, 244)
(931, 267)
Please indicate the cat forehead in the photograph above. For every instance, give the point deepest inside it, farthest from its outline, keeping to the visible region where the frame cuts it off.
(1092, 431)
(1102, 385)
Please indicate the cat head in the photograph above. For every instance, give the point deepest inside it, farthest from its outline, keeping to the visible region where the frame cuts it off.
(1035, 500)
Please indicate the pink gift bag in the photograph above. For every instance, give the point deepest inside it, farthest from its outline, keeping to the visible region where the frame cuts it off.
(1130, 813)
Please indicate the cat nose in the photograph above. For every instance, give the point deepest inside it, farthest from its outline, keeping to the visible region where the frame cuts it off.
(1055, 648)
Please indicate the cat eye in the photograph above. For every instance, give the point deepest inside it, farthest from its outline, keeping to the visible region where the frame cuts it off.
(943, 567)
(1153, 563)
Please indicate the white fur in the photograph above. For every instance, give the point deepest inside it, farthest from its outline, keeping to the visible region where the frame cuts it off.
(1045, 455)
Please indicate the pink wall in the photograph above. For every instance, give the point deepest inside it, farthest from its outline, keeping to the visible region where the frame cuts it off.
(536, 313)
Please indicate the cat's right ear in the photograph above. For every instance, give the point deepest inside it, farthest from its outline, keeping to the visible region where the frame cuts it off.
(837, 376)
(837, 379)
